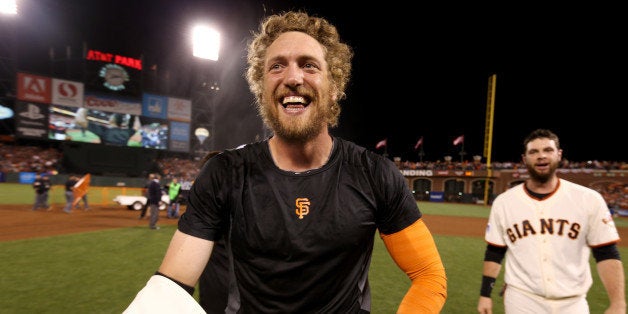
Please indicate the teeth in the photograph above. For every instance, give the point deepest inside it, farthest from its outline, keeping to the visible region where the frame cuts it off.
(293, 99)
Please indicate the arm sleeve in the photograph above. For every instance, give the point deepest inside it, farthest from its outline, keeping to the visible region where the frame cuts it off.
(605, 252)
(494, 253)
(414, 251)
(162, 295)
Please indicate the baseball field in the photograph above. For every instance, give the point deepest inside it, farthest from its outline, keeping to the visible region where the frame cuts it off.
(96, 261)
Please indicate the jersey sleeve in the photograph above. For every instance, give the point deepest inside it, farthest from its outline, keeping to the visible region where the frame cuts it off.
(494, 229)
(603, 229)
(204, 215)
(396, 206)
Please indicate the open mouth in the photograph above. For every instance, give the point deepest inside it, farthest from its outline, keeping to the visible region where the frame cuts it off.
(295, 102)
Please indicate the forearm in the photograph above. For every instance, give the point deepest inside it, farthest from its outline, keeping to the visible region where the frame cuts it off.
(612, 275)
(186, 258)
(491, 269)
(414, 251)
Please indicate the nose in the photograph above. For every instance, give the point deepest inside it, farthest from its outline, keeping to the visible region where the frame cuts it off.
(294, 75)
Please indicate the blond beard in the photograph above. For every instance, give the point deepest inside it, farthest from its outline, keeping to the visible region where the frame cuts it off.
(296, 129)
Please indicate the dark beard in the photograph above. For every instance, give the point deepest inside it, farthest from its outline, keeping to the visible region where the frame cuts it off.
(542, 177)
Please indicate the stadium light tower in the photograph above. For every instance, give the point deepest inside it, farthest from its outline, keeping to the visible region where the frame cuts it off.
(8, 7)
(206, 46)
(205, 43)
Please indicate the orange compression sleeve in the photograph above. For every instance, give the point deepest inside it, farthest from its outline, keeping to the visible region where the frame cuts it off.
(414, 251)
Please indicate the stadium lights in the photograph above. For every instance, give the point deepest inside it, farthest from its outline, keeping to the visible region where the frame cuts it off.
(205, 43)
(8, 6)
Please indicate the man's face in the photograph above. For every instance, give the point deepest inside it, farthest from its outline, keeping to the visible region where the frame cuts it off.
(542, 158)
(297, 90)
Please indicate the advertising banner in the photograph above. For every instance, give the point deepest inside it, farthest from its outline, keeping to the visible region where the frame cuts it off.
(34, 88)
(31, 120)
(179, 136)
(154, 106)
(179, 109)
(67, 93)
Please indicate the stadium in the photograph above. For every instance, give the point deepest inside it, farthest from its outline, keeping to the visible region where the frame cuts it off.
(51, 123)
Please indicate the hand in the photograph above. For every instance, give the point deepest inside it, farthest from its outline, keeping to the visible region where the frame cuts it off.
(485, 305)
(616, 308)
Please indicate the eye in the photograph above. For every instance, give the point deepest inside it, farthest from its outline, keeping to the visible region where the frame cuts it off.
(310, 66)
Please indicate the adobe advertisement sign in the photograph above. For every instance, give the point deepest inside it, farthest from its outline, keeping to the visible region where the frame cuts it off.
(34, 88)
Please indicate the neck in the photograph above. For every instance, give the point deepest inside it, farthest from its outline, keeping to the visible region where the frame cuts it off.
(542, 187)
(301, 156)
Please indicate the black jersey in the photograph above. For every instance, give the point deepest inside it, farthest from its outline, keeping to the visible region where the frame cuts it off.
(298, 242)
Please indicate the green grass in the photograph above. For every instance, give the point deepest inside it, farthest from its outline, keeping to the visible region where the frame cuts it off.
(16, 194)
(101, 272)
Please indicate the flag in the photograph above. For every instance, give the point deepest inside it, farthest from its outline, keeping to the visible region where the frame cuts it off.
(381, 144)
(418, 144)
(459, 140)
(81, 187)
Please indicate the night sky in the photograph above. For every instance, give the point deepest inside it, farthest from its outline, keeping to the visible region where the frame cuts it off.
(420, 72)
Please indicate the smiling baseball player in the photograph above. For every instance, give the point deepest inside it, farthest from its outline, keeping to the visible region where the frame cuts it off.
(547, 228)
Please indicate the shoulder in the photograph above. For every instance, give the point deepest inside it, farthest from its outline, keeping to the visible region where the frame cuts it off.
(355, 154)
(515, 191)
(578, 190)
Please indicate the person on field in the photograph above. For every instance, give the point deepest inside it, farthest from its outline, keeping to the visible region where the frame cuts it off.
(298, 211)
(42, 187)
(152, 201)
(546, 229)
(174, 192)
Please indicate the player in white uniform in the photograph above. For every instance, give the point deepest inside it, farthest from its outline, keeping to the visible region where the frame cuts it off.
(546, 228)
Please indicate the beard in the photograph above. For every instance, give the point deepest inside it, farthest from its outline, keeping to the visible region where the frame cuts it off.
(297, 129)
(542, 177)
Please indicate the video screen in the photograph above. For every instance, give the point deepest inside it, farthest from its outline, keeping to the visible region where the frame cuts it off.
(109, 128)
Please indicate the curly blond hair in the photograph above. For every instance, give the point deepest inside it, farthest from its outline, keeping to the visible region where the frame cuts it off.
(337, 54)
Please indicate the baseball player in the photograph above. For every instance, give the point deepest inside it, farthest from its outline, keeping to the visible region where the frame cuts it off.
(300, 210)
(546, 228)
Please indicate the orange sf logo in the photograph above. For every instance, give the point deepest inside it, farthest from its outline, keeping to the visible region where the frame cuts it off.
(303, 207)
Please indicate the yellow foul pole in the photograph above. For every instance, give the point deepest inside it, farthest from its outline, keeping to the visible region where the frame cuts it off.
(488, 134)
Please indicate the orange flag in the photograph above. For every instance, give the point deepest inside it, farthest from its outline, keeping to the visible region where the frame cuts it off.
(80, 188)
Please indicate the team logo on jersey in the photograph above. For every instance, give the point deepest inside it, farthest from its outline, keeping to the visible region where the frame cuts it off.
(303, 207)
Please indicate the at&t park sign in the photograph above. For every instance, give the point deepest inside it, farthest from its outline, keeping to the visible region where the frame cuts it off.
(95, 55)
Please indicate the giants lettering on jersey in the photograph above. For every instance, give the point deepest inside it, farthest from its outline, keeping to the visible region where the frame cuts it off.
(560, 227)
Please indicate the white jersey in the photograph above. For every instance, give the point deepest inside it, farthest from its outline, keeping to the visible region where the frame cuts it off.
(549, 240)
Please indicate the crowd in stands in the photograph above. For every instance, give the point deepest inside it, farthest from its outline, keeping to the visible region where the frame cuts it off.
(24, 158)
(19, 158)
(476, 165)
(45, 160)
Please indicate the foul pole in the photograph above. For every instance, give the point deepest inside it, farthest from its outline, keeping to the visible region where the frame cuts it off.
(488, 134)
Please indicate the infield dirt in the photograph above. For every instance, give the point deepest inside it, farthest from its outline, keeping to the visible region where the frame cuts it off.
(20, 222)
